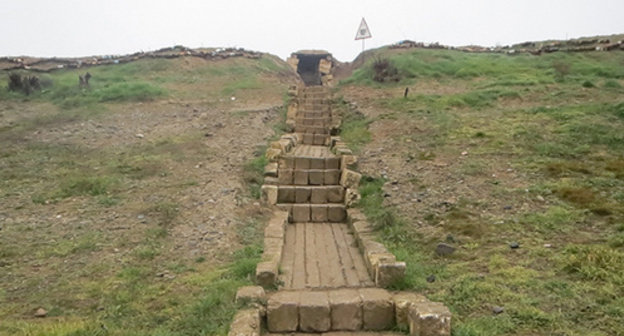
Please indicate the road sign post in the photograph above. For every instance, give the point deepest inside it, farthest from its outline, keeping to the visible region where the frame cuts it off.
(363, 33)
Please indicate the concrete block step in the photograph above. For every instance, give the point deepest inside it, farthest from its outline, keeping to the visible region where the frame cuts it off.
(303, 101)
(306, 162)
(330, 310)
(311, 129)
(324, 122)
(313, 115)
(316, 213)
(310, 177)
(314, 138)
(343, 333)
(310, 194)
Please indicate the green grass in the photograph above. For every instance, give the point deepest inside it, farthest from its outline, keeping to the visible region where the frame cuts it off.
(499, 69)
(110, 83)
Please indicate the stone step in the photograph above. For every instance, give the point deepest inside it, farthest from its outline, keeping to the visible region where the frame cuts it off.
(309, 177)
(307, 161)
(313, 115)
(311, 129)
(342, 333)
(319, 122)
(315, 95)
(310, 194)
(330, 310)
(316, 213)
(307, 105)
(304, 100)
(355, 310)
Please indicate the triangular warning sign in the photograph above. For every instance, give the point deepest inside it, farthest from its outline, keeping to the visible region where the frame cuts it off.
(363, 32)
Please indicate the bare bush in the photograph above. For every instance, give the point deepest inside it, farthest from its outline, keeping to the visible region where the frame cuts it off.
(385, 71)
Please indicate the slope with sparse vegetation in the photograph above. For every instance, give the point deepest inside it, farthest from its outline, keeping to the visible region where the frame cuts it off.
(488, 150)
(129, 207)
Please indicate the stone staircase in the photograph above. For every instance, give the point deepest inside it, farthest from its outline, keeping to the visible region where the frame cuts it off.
(321, 264)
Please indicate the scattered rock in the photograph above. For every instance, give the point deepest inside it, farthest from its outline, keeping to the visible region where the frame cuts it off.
(498, 309)
(464, 153)
(41, 313)
(507, 207)
(141, 217)
(547, 245)
(444, 249)
(139, 135)
(514, 245)
(540, 198)
(431, 278)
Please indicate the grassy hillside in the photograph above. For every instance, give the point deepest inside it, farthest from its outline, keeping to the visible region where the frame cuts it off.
(488, 150)
(125, 208)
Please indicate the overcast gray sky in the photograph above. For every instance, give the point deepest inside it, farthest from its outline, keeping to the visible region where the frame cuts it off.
(90, 27)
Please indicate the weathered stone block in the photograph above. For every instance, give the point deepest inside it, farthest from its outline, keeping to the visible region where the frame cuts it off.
(402, 302)
(271, 180)
(314, 312)
(348, 161)
(286, 194)
(317, 163)
(350, 179)
(308, 138)
(301, 213)
(346, 309)
(271, 169)
(377, 309)
(269, 194)
(355, 215)
(300, 177)
(336, 213)
(266, 273)
(302, 163)
(318, 213)
(318, 195)
(335, 194)
(250, 294)
(362, 226)
(283, 312)
(388, 273)
(429, 319)
(287, 162)
(302, 194)
(273, 154)
(331, 177)
(285, 176)
(332, 163)
(246, 323)
(316, 177)
(352, 196)
(372, 259)
(275, 228)
(286, 207)
(319, 139)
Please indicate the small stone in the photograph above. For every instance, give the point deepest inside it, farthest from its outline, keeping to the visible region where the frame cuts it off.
(140, 216)
(547, 245)
(444, 249)
(464, 153)
(514, 245)
(540, 198)
(139, 135)
(41, 313)
(431, 278)
(498, 309)
(507, 207)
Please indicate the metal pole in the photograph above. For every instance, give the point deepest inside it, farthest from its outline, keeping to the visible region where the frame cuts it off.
(363, 44)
